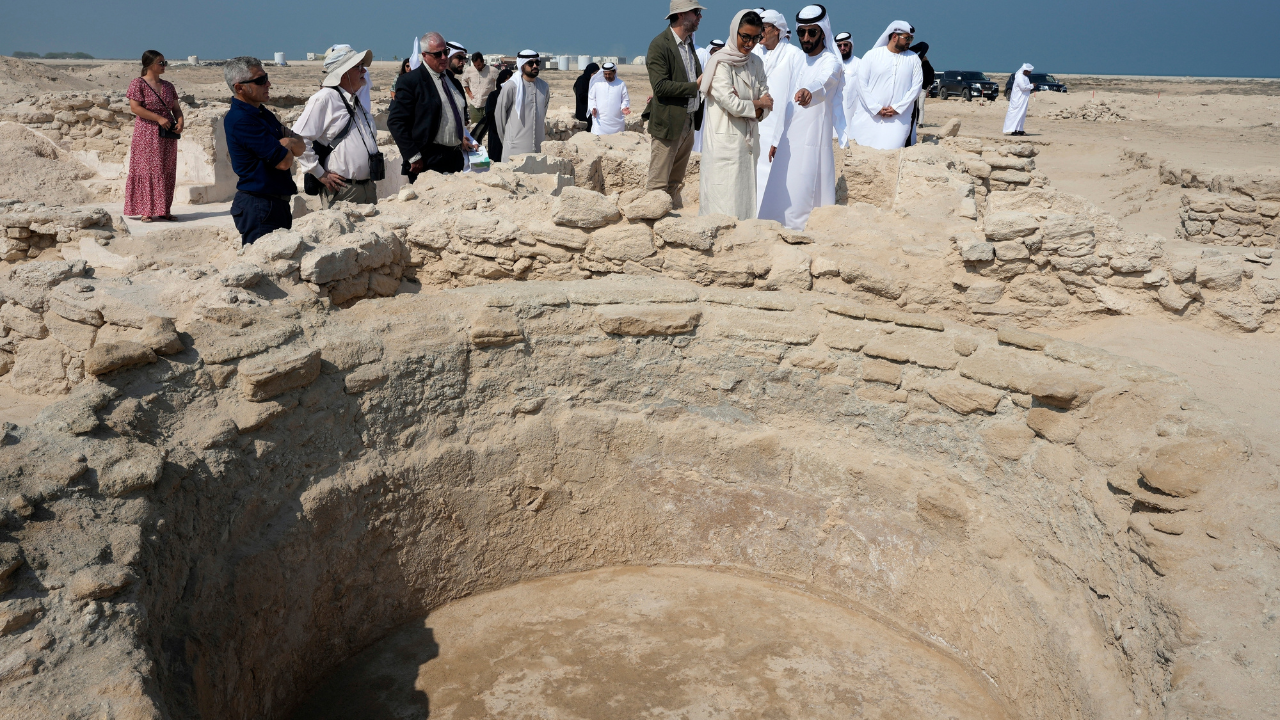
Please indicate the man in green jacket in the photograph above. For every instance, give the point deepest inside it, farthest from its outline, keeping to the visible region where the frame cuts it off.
(675, 111)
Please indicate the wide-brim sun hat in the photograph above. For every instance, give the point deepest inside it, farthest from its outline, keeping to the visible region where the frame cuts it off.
(680, 6)
(346, 59)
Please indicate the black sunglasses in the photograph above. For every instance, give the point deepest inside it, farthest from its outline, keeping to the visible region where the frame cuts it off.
(437, 54)
(809, 32)
(163, 63)
(260, 80)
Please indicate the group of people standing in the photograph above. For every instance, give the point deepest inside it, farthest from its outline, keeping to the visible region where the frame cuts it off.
(769, 110)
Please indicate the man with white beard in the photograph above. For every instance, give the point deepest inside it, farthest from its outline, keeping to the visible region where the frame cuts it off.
(804, 166)
(888, 83)
(608, 101)
(1019, 98)
(782, 63)
(848, 93)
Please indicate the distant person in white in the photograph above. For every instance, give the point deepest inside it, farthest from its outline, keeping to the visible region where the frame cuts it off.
(521, 113)
(782, 63)
(1019, 98)
(704, 57)
(608, 101)
(737, 94)
(889, 78)
(337, 118)
(804, 166)
(848, 93)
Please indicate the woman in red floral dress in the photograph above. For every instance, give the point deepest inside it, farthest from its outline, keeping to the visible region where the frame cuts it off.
(153, 160)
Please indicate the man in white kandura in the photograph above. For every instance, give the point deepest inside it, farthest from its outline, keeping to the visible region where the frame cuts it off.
(782, 63)
(804, 164)
(889, 78)
(1019, 98)
(848, 93)
(737, 93)
(520, 117)
(608, 101)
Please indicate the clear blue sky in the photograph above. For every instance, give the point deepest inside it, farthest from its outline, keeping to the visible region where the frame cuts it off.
(1175, 37)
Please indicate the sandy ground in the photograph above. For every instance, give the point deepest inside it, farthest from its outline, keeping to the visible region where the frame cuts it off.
(652, 643)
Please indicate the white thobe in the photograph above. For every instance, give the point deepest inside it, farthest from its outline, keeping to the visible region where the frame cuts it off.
(886, 79)
(704, 56)
(781, 66)
(322, 119)
(849, 98)
(609, 98)
(731, 145)
(522, 135)
(804, 168)
(1019, 99)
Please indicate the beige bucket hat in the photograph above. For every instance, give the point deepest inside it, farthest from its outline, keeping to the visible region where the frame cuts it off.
(679, 6)
(340, 59)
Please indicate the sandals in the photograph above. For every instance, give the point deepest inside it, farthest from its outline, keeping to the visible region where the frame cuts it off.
(144, 218)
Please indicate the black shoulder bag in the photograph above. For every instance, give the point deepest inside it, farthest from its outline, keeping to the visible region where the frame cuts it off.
(165, 133)
(311, 184)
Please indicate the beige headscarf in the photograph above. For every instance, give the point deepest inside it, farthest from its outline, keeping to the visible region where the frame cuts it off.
(728, 55)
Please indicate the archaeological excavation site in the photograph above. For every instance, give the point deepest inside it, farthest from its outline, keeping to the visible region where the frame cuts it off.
(536, 443)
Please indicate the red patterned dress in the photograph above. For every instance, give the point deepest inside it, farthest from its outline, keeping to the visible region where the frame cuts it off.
(153, 161)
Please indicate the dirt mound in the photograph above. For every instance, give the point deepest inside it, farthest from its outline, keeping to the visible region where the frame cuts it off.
(22, 77)
(34, 171)
(1093, 110)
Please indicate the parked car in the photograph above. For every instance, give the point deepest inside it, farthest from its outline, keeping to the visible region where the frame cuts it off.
(1043, 81)
(933, 89)
(968, 84)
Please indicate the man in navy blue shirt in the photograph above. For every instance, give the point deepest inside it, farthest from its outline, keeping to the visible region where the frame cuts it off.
(261, 151)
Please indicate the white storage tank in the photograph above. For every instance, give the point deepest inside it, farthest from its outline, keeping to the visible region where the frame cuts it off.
(562, 62)
(280, 60)
(583, 61)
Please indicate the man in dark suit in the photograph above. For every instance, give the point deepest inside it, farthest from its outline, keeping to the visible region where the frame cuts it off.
(675, 111)
(427, 117)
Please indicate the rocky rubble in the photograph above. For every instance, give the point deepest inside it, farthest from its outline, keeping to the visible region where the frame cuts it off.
(1092, 111)
(1229, 220)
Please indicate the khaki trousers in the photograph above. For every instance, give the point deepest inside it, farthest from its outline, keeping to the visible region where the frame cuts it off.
(669, 159)
(360, 193)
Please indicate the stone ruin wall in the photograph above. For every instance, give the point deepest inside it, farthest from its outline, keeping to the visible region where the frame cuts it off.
(494, 377)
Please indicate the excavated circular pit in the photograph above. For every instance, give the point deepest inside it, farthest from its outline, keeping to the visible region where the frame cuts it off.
(659, 642)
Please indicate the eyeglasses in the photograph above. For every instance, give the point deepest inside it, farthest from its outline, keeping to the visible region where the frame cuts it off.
(750, 38)
(437, 54)
(260, 80)
(809, 32)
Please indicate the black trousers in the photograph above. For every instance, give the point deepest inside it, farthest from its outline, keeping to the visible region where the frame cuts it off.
(257, 215)
(441, 158)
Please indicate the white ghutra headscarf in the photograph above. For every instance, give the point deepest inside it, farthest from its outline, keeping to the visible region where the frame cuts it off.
(897, 26)
(817, 15)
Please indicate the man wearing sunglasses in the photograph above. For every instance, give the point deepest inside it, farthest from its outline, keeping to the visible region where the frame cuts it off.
(520, 117)
(675, 111)
(427, 116)
(804, 166)
(261, 151)
(889, 80)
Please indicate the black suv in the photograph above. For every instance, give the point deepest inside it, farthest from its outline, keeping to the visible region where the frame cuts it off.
(1042, 81)
(968, 84)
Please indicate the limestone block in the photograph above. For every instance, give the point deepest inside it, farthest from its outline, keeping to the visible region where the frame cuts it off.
(565, 237)
(110, 356)
(951, 128)
(263, 378)
(41, 368)
(964, 396)
(624, 241)
(881, 371)
(1185, 467)
(1025, 150)
(872, 277)
(1012, 250)
(74, 335)
(495, 329)
(328, 263)
(1054, 426)
(1062, 390)
(159, 334)
(652, 205)
(241, 275)
(1240, 312)
(1130, 264)
(348, 288)
(640, 320)
(387, 285)
(138, 469)
(977, 168)
(1182, 271)
(788, 269)
(1113, 300)
(278, 245)
(477, 227)
(1014, 335)
(365, 378)
(1171, 298)
(977, 251)
(1038, 289)
(578, 207)
(75, 306)
(697, 233)
(1242, 205)
(1012, 177)
(1226, 229)
(1266, 291)
(1218, 273)
(984, 292)
(1005, 162)
(1009, 225)
(100, 581)
(23, 321)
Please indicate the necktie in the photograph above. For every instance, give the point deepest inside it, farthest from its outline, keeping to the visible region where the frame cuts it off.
(457, 119)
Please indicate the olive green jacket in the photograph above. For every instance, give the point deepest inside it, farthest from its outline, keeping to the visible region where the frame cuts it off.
(672, 88)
